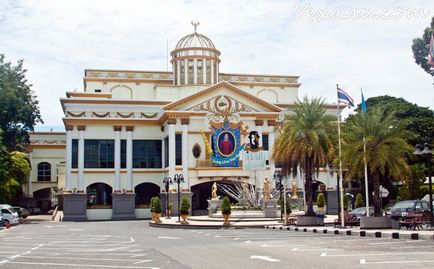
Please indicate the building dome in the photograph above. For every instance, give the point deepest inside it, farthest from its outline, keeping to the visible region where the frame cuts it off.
(195, 40)
(195, 60)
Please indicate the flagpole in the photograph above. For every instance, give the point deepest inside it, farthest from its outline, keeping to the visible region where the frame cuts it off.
(340, 164)
(366, 171)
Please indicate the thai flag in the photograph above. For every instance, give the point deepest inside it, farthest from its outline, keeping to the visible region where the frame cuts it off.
(431, 51)
(343, 97)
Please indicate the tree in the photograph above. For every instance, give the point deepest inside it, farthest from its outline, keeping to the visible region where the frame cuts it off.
(320, 200)
(420, 48)
(226, 206)
(412, 187)
(306, 141)
(419, 121)
(19, 111)
(386, 149)
(15, 170)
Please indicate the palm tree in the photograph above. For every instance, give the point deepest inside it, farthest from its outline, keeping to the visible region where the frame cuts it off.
(306, 142)
(386, 149)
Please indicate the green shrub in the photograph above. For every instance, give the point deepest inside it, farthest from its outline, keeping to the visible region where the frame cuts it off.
(345, 203)
(359, 200)
(185, 206)
(157, 205)
(288, 207)
(152, 204)
(226, 206)
(320, 200)
(170, 206)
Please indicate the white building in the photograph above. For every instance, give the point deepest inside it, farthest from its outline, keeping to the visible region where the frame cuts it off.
(129, 129)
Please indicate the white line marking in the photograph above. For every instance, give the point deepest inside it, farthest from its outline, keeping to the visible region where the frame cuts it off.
(168, 237)
(76, 230)
(81, 265)
(294, 249)
(236, 238)
(377, 254)
(80, 258)
(216, 236)
(138, 255)
(362, 261)
(136, 250)
(395, 262)
(4, 261)
(323, 254)
(264, 258)
(143, 261)
(15, 256)
(248, 241)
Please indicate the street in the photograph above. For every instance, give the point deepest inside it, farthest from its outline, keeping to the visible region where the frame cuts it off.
(132, 244)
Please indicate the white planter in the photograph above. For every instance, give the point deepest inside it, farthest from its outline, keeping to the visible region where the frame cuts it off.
(143, 213)
(99, 214)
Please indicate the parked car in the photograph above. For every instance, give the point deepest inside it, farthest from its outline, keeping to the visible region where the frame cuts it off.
(403, 208)
(361, 212)
(22, 212)
(33, 210)
(9, 217)
(1, 220)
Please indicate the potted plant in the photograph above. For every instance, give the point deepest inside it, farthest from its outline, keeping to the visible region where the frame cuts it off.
(185, 210)
(169, 209)
(288, 210)
(320, 202)
(226, 211)
(151, 207)
(157, 210)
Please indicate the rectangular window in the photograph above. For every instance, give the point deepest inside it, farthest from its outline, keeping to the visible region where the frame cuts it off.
(99, 153)
(123, 153)
(74, 151)
(166, 151)
(147, 154)
(265, 141)
(178, 143)
(97, 90)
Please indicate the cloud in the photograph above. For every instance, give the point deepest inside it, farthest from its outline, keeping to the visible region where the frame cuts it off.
(59, 39)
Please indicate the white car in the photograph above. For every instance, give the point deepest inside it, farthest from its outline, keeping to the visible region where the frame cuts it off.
(10, 217)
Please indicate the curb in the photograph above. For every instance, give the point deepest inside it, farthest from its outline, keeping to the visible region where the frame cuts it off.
(362, 233)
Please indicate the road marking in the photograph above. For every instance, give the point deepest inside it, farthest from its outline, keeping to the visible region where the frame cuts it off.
(248, 241)
(323, 254)
(79, 230)
(294, 249)
(83, 265)
(143, 261)
(377, 254)
(4, 261)
(362, 261)
(264, 258)
(236, 238)
(138, 255)
(216, 236)
(398, 262)
(136, 250)
(82, 258)
(168, 237)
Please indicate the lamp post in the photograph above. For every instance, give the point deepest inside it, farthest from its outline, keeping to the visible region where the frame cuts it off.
(426, 149)
(167, 181)
(278, 179)
(178, 178)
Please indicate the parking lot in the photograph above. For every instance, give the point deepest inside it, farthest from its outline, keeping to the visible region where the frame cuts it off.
(132, 244)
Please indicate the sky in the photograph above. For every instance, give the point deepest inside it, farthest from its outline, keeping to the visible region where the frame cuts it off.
(357, 44)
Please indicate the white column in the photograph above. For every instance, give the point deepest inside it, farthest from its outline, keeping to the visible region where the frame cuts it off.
(68, 164)
(195, 71)
(217, 72)
(178, 71)
(204, 70)
(129, 186)
(212, 71)
(81, 159)
(185, 160)
(185, 71)
(117, 186)
(271, 137)
(172, 147)
(260, 174)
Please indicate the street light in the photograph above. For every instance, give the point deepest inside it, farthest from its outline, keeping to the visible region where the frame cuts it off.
(167, 181)
(278, 178)
(425, 149)
(178, 178)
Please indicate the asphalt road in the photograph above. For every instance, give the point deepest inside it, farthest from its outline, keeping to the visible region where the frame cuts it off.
(132, 244)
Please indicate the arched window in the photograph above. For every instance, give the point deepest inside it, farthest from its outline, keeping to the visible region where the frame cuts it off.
(44, 171)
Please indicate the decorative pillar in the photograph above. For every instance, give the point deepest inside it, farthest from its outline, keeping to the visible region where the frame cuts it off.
(68, 176)
(185, 71)
(163, 149)
(129, 186)
(81, 129)
(204, 70)
(29, 185)
(217, 72)
(178, 72)
(117, 185)
(185, 160)
(172, 147)
(271, 137)
(195, 71)
(260, 174)
(212, 71)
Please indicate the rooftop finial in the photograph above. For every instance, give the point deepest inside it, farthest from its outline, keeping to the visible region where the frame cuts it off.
(195, 24)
